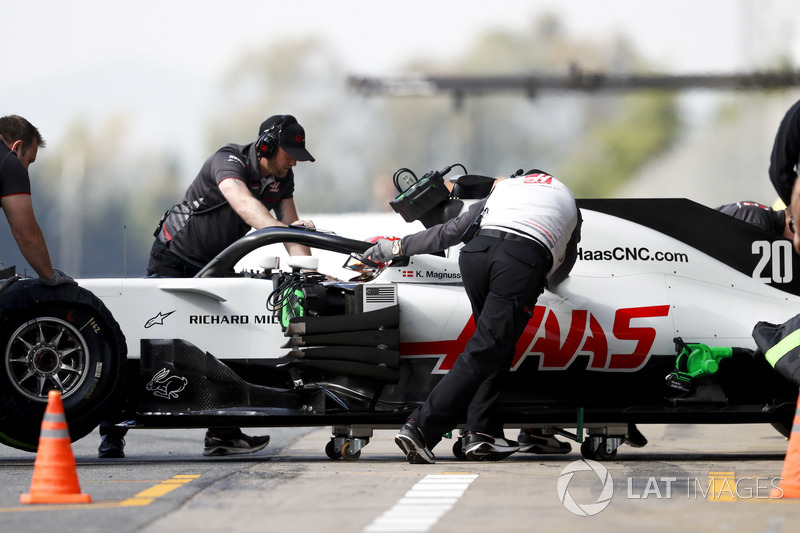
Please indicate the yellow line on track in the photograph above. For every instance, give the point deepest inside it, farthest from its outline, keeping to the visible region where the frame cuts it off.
(140, 499)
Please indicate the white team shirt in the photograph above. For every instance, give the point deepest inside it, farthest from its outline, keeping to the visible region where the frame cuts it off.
(537, 206)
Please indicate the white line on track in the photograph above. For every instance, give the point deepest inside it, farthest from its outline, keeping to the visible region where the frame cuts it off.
(424, 504)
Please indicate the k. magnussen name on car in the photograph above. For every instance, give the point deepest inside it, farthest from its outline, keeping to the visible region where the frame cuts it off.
(632, 254)
(430, 274)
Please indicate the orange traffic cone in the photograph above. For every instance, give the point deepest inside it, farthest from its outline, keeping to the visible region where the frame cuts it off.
(55, 476)
(789, 486)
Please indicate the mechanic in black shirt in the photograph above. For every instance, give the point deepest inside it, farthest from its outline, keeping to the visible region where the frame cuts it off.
(19, 147)
(527, 233)
(235, 191)
(783, 163)
(783, 167)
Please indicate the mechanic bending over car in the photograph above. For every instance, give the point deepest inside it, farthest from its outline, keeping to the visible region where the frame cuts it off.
(20, 145)
(525, 232)
(235, 191)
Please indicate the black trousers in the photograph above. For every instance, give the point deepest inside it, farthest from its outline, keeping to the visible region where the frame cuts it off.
(503, 279)
(166, 264)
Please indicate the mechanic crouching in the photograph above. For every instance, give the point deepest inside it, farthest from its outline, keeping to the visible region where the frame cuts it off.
(525, 232)
(235, 191)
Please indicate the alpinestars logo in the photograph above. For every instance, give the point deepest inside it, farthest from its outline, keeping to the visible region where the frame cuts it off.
(157, 320)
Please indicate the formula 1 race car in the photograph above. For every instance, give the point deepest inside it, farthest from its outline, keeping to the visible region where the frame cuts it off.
(654, 325)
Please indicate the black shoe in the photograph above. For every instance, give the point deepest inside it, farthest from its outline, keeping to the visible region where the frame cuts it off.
(243, 444)
(634, 437)
(533, 440)
(480, 447)
(111, 447)
(412, 443)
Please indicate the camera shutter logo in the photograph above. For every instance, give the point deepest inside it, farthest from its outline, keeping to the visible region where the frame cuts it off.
(589, 509)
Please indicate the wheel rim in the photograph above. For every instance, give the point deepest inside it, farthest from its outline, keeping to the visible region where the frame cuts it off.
(46, 354)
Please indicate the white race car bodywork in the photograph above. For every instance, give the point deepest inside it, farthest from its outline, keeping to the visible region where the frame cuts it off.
(628, 280)
(363, 353)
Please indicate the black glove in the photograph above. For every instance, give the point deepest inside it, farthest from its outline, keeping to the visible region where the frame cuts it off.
(381, 252)
(59, 278)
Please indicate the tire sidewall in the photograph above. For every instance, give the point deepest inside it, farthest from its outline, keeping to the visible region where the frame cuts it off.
(100, 391)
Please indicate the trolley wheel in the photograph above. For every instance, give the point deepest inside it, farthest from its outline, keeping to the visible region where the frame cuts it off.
(458, 449)
(330, 450)
(349, 455)
(603, 455)
(587, 451)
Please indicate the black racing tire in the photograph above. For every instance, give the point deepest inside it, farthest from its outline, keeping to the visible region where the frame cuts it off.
(61, 338)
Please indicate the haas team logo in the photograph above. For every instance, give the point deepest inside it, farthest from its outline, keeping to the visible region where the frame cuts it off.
(165, 386)
(545, 179)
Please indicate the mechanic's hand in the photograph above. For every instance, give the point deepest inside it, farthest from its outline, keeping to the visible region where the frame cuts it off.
(381, 252)
(59, 278)
(304, 223)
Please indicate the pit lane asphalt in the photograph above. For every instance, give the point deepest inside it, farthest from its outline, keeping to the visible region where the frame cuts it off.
(688, 478)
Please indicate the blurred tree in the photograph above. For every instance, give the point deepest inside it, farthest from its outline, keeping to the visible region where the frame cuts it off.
(614, 150)
(594, 143)
(304, 78)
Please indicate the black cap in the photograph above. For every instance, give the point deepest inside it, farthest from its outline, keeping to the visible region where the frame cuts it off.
(293, 136)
